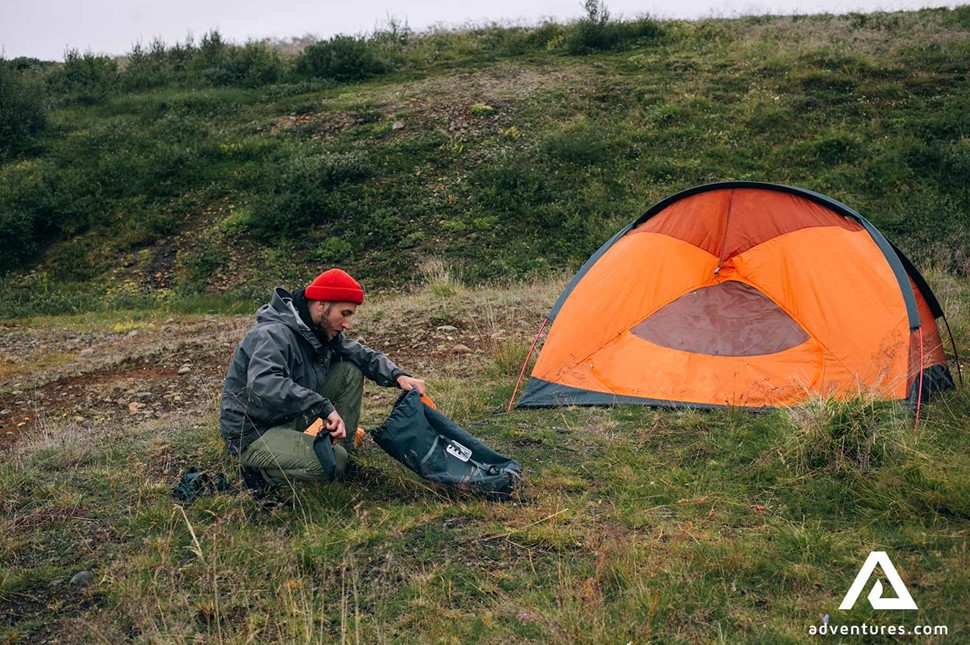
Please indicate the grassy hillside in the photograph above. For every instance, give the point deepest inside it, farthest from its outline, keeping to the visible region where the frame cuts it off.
(463, 176)
(506, 152)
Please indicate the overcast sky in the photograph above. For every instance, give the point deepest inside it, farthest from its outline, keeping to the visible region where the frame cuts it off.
(47, 28)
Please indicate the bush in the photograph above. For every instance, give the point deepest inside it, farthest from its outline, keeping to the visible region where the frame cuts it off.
(22, 108)
(84, 78)
(593, 32)
(146, 69)
(342, 59)
(512, 188)
(596, 32)
(251, 65)
(307, 193)
(28, 208)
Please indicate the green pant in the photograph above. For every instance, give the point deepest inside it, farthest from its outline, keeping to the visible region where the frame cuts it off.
(285, 454)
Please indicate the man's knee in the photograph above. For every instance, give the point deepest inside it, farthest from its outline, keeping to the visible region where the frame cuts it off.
(340, 459)
(347, 375)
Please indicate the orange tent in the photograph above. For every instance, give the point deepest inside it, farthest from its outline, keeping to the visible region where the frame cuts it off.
(747, 295)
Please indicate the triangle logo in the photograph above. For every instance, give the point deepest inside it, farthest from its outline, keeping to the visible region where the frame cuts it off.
(902, 600)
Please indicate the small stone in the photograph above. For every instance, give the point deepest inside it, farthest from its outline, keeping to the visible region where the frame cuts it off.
(447, 328)
(135, 407)
(185, 369)
(132, 333)
(397, 125)
(461, 349)
(4, 413)
(57, 582)
(86, 352)
(82, 578)
(169, 321)
(78, 419)
(8, 434)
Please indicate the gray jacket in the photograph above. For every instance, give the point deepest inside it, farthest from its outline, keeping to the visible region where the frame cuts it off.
(278, 371)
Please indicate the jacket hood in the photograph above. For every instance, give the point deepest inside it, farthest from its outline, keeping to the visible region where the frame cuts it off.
(281, 310)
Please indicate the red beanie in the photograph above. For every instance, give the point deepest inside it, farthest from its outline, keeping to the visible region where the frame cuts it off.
(335, 286)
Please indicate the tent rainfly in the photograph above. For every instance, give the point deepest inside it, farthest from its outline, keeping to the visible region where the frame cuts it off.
(742, 294)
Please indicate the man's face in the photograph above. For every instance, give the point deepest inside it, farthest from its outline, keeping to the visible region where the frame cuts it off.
(332, 317)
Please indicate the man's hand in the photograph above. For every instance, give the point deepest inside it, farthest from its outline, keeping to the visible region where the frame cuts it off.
(335, 427)
(407, 384)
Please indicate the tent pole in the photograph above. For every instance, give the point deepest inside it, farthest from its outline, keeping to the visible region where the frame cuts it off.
(919, 393)
(526, 363)
(956, 356)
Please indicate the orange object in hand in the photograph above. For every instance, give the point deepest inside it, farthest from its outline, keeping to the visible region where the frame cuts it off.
(314, 428)
(428, 402)
(359, 437)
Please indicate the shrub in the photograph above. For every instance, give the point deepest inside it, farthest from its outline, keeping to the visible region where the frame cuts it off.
(28, 208)
(251, 65)
(210, 55)
(342, 59)
(147, 68)
(22, 108)
(596, 32)
(84, 78)
(196, 266)
(593, 32)
(306, 193)
(511, 187)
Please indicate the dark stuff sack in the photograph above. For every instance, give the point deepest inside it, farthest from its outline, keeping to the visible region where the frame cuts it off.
(433, 446)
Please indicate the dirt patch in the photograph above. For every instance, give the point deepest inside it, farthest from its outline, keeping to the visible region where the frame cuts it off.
(145, 370)
(132, 375)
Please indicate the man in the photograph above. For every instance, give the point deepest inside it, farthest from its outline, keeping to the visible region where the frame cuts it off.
(294, 367)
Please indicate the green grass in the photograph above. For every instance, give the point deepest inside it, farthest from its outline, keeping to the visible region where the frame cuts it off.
(637, 524)
(190, 197)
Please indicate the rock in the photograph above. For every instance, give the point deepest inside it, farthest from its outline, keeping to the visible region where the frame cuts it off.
(169, 321)
(78, 419)
(8, 434)
(446, 328)
(135, 407)
(132, 333)
(397, 125)
(82, 578)
(461, 349)
(86, 352)
(5, 413)
(57, 582)
(185, 369)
